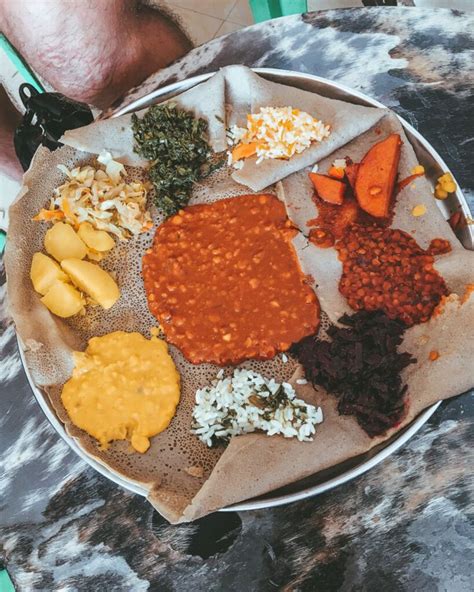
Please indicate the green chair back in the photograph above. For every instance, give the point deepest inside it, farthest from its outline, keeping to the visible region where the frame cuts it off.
(6, 584)
(264, 10)
(22, 67)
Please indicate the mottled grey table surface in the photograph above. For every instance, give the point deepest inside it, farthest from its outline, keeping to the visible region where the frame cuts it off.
(404, 526)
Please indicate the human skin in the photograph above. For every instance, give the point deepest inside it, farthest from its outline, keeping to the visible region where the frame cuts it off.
(89, 50)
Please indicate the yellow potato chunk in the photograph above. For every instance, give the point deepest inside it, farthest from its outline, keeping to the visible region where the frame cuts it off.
(44, 272)
(93, 280)
(62, 242)
(63, 299)
(98, 240)
(95, 255)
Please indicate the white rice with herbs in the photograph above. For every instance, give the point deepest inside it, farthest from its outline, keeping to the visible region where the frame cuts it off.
(247, 401)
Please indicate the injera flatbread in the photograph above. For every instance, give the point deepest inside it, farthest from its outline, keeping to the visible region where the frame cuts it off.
(252, 464)
(225, 100)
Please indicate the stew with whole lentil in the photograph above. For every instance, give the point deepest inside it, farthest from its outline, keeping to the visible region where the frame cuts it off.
(439, 246)
(385, 269)
(224, 281)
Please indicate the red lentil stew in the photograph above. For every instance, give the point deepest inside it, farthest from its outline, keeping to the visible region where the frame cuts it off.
(385, 269)
(439, 246)
(224, 281)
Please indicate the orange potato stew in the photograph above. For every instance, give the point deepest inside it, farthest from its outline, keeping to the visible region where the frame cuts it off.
(224, 281)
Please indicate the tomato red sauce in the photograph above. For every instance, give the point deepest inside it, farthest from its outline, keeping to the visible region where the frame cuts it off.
(332, 221)
(385, 269)
(223, 280)
(322, 238)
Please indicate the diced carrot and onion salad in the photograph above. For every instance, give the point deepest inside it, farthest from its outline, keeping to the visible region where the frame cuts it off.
(274, 132)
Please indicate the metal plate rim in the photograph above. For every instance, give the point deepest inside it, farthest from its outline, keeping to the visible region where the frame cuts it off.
(308, 492)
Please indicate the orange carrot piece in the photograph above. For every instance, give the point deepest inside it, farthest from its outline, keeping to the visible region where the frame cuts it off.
(404, 182)
(244, 151)
(336, 172)
(147, 226)
(47, 215)
(468, 290)
(328, 189)
(376, 176)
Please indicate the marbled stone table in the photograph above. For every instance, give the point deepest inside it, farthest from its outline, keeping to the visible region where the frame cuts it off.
(405, 525)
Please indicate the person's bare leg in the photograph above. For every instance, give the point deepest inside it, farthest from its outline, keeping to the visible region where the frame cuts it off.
(92, 50)
(9, 119)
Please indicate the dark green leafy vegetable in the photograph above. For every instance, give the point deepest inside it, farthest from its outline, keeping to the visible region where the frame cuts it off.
(176, 143)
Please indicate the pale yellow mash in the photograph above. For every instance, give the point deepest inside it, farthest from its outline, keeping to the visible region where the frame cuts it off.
(123, 387)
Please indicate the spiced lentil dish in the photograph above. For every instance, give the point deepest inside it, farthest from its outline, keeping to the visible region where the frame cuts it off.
(385, 269)
(224, 281)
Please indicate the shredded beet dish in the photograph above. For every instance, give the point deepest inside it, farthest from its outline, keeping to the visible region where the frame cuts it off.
(361, 366)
